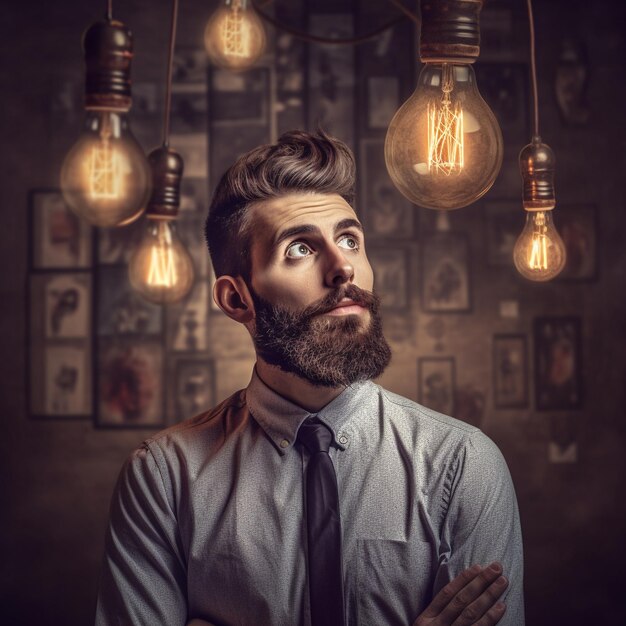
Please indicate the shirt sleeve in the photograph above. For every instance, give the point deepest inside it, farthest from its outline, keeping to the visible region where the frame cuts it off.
(482, 522)
(143, 577)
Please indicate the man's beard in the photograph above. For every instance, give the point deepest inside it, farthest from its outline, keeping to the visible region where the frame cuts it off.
(327, 351)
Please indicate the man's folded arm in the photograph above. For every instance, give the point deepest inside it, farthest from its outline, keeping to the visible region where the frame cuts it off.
(482, 522)
(143, 578)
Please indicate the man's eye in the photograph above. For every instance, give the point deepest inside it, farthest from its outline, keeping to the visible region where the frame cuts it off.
(298, 250)
(349, 242)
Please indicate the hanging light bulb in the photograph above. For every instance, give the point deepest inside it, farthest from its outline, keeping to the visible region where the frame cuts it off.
(539, 253)
(234, 36)
(105, 177)
(443, 148)
(160, 268)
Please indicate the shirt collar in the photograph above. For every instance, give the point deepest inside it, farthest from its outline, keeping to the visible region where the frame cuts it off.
(280, 418)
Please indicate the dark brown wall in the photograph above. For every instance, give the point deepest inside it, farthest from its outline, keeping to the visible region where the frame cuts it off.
(57, 475)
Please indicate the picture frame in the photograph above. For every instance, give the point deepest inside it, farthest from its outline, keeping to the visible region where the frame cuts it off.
(189, 108)
(510, 371)
(130, 384)
(190, 65)
(194, 387)
(445, 265)
(563, 444)
(59, 239)
(387, 214)
(391, 266)
(383, 100)
(436, 385)
(120, 309)
(240, 98)
(504, 221)
(187, 329)
(577, 225)
(558, 363)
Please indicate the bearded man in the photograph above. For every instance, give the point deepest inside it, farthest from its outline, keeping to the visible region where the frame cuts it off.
(229, 517)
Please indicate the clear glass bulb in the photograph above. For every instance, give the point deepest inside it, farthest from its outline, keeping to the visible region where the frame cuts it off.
(539, 253)
(444, 147)
(234, 37)
(160, 268)
(105, 177)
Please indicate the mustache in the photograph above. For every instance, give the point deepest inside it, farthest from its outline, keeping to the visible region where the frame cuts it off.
(366, 299)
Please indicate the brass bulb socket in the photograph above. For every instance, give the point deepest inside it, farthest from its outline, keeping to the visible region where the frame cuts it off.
(167, 174)
(537, 165)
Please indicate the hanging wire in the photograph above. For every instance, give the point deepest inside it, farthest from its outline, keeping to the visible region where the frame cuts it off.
(109, 13)
(304, 36)
(533, 70)
(170, 69)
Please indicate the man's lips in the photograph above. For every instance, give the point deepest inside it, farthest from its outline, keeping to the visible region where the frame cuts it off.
(346, 307)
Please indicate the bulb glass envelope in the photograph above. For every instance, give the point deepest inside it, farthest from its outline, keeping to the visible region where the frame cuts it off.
(444, 146)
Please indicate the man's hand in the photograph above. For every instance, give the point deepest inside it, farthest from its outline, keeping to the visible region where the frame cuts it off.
(468, 600)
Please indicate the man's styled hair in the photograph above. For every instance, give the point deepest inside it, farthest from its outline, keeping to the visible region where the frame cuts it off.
(298, 162)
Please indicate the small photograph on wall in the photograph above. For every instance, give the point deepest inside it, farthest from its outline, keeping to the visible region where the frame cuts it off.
(190, 65)
(121, 310)
(195, 387)
(60, 239)
(130, 381)
(189, 108)
(445, 274)
(68, 305)
(238, 98)
(436, 383)
(383, 100)
(558, 381)
(187, 321)
(116, 245)
(576, 223)
(386, 212)
(504, 221)
(391, 276)
(64, 389)
(510, 383)
(563, 445)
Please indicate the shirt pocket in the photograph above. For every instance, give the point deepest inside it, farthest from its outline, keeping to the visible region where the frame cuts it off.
(395, 580)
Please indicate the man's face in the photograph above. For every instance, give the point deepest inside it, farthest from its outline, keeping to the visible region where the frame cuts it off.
(315, 314)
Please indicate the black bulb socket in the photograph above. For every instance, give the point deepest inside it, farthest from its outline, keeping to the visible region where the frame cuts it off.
(167, 174)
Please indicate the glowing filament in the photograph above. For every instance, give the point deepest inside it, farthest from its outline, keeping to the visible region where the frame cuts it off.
(105, 172)
(162, 270)
(538, 258)
(235, 34)
(445, 131)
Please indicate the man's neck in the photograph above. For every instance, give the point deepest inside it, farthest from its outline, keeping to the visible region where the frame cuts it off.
(296, 389)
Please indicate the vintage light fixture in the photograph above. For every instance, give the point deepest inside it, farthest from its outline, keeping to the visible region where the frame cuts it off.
(539, 253)
(444, 147)
(160, 268)
(105, 177)
(234, 37)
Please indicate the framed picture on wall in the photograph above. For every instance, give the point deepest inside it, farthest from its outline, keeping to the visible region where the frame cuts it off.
(238, 98)
(510, 367)
(391, 276)
(187, 321)
(436, 385)
(563, 445)
(504, 221)
(190, 65)
(386, 212)
(577, 226)
(195, 387)
(130, 383)
(558, 363)
(383, 100)
(59, 238)
(189, 108)
(445, 273)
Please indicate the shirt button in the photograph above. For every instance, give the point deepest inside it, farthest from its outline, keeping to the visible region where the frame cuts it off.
(343, 440)
(284, 443)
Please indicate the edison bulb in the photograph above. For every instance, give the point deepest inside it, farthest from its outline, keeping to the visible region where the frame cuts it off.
(234, 36)
(539, 253)
(161, 269)
(105, 177)
(444, 147)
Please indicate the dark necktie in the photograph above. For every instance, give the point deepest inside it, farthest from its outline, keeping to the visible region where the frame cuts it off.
(323, 527)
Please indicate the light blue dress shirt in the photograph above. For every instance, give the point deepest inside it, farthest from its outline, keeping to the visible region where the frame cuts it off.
(207, 516)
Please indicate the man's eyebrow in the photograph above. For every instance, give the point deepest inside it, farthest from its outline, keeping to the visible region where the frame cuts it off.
(349, 223)
(306, 229)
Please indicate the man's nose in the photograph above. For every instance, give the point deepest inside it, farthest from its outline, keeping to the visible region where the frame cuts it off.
(339, 271)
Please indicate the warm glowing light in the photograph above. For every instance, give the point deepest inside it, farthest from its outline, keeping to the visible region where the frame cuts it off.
(160, 267)
(234, 36)
(445, 131)
(539, 252)
(444, 148)
(105, 177)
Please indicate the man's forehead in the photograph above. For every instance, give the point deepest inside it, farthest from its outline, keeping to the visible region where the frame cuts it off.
(273, 216)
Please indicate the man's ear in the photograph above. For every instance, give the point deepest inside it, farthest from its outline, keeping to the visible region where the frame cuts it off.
(232, 295)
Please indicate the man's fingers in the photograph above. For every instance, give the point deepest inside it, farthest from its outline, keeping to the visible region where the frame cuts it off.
(483, 608)
(493, 615)
(447, 593)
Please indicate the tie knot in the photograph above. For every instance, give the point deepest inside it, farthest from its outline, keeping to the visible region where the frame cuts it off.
(315, 435)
